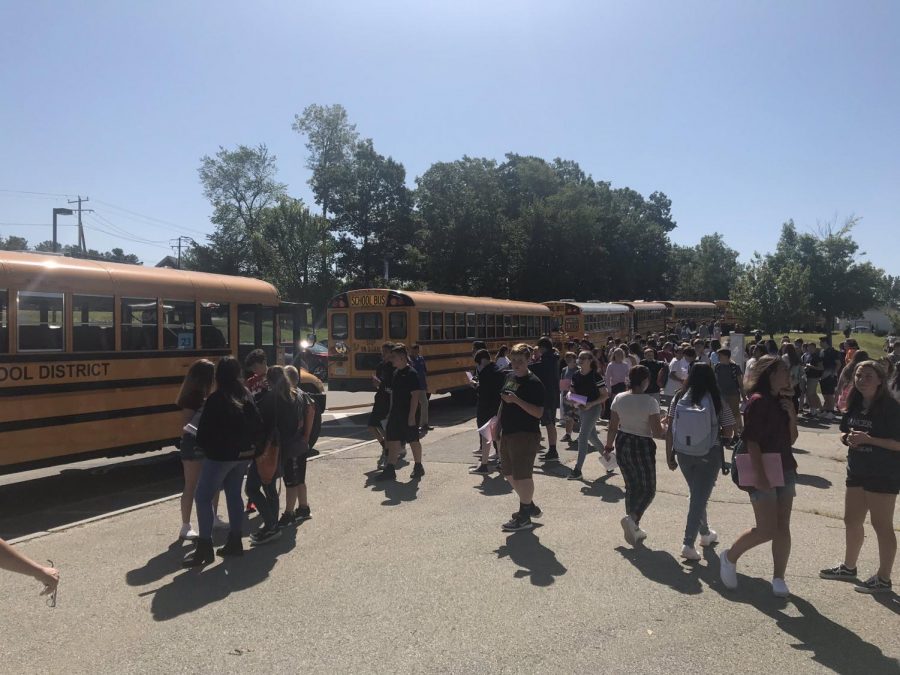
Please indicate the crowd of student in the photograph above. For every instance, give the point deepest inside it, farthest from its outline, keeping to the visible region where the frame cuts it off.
(688, 393)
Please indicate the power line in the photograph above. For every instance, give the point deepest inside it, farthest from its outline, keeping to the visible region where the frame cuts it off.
(151, 218)
(37, 224)
(125, 233)
(30, 192)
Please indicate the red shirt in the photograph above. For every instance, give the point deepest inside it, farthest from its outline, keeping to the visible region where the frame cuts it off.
(766, 423)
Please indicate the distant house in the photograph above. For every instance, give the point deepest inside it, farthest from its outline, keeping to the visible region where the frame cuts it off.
(169, 261)
(878, 318)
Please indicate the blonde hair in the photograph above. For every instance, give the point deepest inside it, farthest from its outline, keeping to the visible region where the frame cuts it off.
(618, 354)
(293, 376)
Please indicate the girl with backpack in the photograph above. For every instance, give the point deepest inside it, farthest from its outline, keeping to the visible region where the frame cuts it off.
(693, 443)
(229, 431)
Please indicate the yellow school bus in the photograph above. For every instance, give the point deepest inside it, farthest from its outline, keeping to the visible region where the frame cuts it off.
(596, 320)
(647, 317)
(683, 310)
(444, 327)
(92, 354)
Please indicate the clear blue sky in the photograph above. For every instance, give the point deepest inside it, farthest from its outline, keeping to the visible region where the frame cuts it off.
(744, 113)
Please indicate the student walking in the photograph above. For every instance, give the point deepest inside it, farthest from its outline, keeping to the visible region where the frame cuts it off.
(871, 431)
(697, 417)
(584, 383)
(488, 385)
(730, 381)
(381, 406)
(616, 377)
(566, 409)
(296, 455)
(546, 367)
(770, 427)
(401, 425)
(419, 365)
(633, 425)
(521, 410)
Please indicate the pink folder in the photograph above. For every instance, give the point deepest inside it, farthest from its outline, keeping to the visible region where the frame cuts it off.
(771, 465)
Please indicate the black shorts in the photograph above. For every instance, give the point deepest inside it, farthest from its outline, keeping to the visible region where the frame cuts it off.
(380, 410)
(294, 470)
(828, 385)
(400, 432)
(482, 417)
(886, 485)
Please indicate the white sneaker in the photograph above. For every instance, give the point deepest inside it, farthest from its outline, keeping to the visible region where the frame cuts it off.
(709, 539)
(187, 532)
(639, 535)
(219, 524)
(779, 588)
(727, 571)
(630, 530)
(690, 553)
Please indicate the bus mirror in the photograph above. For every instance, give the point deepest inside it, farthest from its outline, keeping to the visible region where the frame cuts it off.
(311, 339)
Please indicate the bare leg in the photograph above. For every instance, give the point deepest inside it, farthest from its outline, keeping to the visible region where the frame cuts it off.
(393, 452)
(191, 476)
(302, 495)
(766, 512)
(524, 488)
(417, 451)
(881, 511)
(855, 509)
(781, 542)
(551, 434)
(290, 498)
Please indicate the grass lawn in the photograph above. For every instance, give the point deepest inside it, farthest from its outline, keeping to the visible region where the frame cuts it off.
(867, 341)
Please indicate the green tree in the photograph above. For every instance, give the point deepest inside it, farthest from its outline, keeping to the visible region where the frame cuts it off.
(13, 243)
(240, 184)
(705, 271)
(72, 251)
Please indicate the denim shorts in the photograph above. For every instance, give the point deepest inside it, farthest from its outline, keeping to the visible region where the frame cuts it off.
(789, 489)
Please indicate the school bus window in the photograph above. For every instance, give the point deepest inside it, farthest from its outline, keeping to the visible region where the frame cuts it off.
(507, 326)
(545, 320)
(178, 324)
(482, 325)
(492, 325)
(571, 324)
(4, 321)
(247, 327)
(214, 325)
(40, 321)
(424, 326)
(470, 325)
(93, 323)
(397, 325)
(267, 324)
(460, 326)
(437, 326)
(139, 321)
(531, 321)
(339, 329)
(368, 326)
(449, 333)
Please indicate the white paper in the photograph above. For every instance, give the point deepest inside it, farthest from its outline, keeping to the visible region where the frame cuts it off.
(608, 462)
(487, 431)
(576, 399)
(470, 376)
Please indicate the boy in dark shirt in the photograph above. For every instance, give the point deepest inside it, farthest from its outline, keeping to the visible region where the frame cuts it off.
(521, 411)
(546, 367)
(402, 426)
(489, 383)
(381, 379)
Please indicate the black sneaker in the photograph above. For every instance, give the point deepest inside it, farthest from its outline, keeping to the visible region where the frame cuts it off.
(265, 535)
(535, 511)
(874, 584)
(566, 439)
(839, 572)
(302, 513)
(481, 469)
(575, 475)
(418, 470)
(518, 522)
(387, 473)
(550, 456)
(287, 518)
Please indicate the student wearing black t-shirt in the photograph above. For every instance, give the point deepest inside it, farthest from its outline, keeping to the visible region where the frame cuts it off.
(584, 383)
(381, 379)
(489, 383)
(522, 406)
(831, 367)
(871, 429)
(402, 426)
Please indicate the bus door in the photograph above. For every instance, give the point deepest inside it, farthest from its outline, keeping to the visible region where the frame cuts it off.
(294, 328)
(368, 333)
(256, 330)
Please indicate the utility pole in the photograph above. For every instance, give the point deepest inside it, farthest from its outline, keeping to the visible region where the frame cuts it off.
(58, 212)
(81, 243)
(178, 244)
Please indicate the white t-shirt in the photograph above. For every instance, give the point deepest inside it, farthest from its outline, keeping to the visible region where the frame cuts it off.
(634, 412)
(679, 367)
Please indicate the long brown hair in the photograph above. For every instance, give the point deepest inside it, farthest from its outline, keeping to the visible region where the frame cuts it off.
(199, 380)
(279, 383)
(855, 399)
(759, 377)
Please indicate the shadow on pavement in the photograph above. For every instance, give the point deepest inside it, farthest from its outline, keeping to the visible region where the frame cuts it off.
(813, 481)
(601, 488)
(493, 485)
(889, 600)
(196, 588)
(394, 491)
(661, 567)
(535, 561)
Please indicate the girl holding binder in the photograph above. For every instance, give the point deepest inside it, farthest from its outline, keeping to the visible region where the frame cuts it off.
(770, 428)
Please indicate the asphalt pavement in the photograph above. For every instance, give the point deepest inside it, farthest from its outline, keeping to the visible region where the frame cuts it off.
(417, 576)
